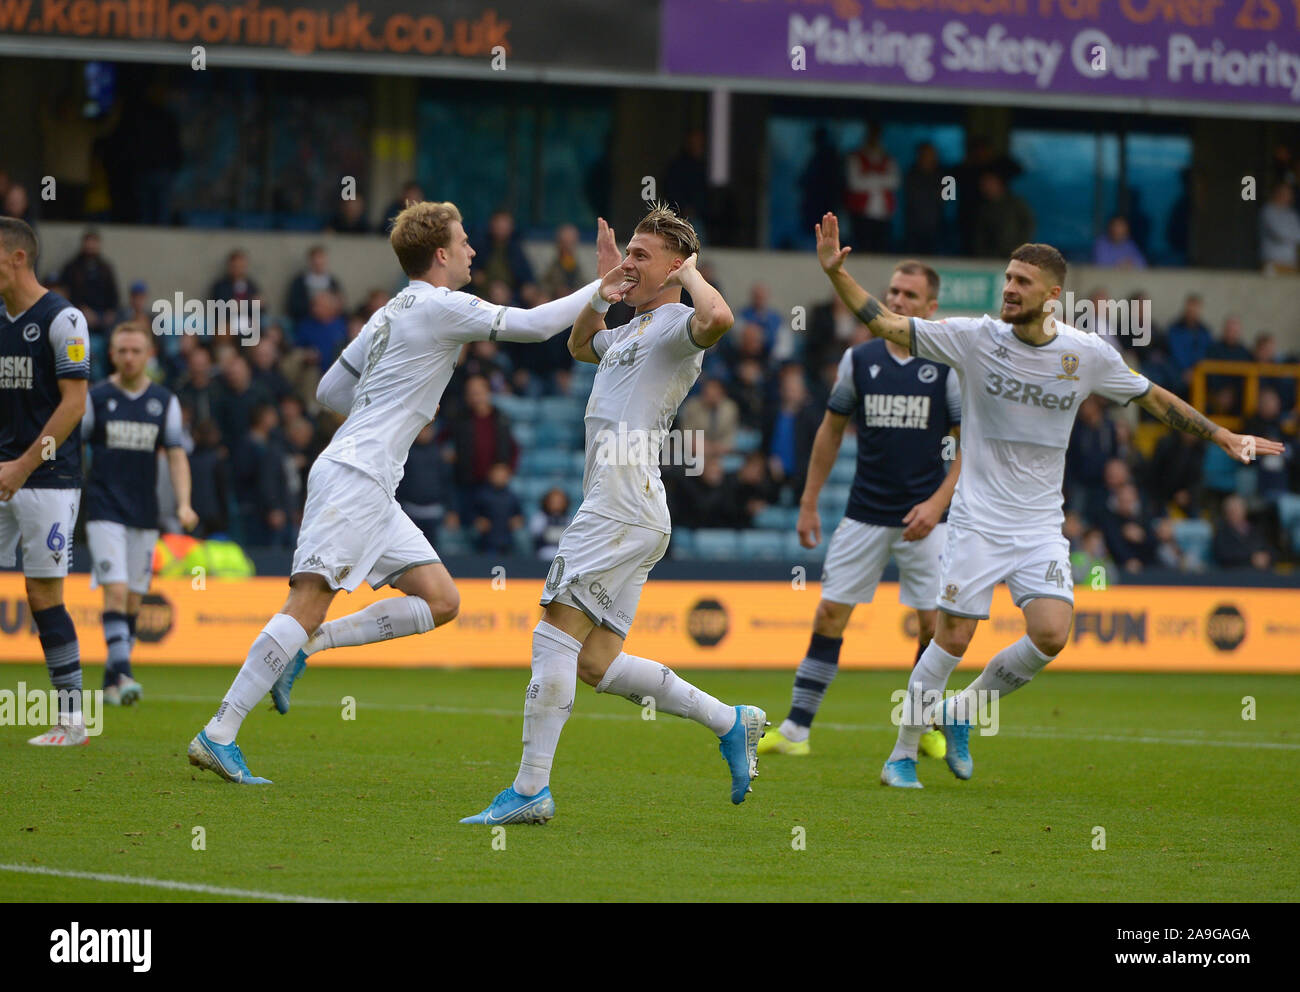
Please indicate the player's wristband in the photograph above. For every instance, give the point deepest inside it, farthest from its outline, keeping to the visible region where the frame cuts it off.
(599, 303)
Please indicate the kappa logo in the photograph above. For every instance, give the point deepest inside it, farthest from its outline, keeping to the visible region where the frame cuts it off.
(1069, 365)
(31, 332)
(927, 373)
(874, 370)
(313, 562)
(112, 405)
(1001, 352)
(949, 593)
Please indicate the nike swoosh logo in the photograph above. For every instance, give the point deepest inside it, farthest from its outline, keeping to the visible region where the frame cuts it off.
(504, 819)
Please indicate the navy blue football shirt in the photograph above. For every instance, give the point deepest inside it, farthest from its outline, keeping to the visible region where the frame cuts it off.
(38, 347)
(903, 409)
(125, 431)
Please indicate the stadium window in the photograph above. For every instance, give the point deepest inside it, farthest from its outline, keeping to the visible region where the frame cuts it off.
(791, 144)
(1070, 181)
(1075, 180)
(1158, 203)
(495, 146)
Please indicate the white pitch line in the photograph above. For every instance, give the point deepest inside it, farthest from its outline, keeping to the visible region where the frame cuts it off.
(163, 883)
(1044, 733)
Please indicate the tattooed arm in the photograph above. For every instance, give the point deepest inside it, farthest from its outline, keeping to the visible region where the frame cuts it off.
(869, 310)
(1169, 409)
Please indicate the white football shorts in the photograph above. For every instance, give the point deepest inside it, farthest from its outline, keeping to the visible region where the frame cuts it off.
(41, 520)
(601, 566)
(120, 553)
(859, 552)
(1034, 566)
(353, 531)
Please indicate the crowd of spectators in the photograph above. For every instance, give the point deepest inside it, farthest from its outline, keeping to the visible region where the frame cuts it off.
(1124, 506)
(256, 427)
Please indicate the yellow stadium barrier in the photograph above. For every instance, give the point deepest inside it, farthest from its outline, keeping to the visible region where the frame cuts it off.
(701, 624)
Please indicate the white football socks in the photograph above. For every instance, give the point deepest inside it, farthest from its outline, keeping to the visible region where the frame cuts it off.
(792, 732)
(547, 704)
(396, 616)
(931, 673)
(1010, 668)
(278, 642)
(638, 679)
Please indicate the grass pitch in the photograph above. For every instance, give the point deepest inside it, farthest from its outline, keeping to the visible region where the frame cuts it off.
(1196, 803)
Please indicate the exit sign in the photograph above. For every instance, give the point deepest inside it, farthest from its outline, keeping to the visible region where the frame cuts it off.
(961, 289)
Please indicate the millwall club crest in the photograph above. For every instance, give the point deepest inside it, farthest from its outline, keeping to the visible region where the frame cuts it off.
(1070, 365)
(927, 373)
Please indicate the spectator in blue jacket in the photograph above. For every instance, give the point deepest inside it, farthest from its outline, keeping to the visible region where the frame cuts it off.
(1189, 340)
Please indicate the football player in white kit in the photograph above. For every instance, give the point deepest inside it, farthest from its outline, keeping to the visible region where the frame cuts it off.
(646, 368)
(388, 381)
(1023, 376)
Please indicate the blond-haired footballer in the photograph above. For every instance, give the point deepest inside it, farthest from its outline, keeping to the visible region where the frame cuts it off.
(645, 369)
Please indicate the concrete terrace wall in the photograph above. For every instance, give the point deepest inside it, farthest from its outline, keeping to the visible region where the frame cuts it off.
(188, 261)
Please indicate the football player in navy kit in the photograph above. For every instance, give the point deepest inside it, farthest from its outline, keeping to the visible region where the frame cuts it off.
(128, 418)
(44, 372)
(903, 409)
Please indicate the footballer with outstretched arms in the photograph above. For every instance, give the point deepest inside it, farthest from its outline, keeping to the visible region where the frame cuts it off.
(44, 373)
(128, 419)
(1023, 376)
(388, 383)
(903, 409)
(645, 368)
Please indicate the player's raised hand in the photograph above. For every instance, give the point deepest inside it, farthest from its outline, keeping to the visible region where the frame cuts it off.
(607, 254)
(676, 276)
(1245, 448)
(614, 284)
(809, 528)
(829, 253)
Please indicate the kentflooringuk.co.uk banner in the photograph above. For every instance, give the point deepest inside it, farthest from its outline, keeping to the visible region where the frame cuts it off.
(611, 35)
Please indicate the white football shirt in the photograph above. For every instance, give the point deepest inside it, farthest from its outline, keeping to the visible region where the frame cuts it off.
(1018, 405)
(403, 358)
(647, 367)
